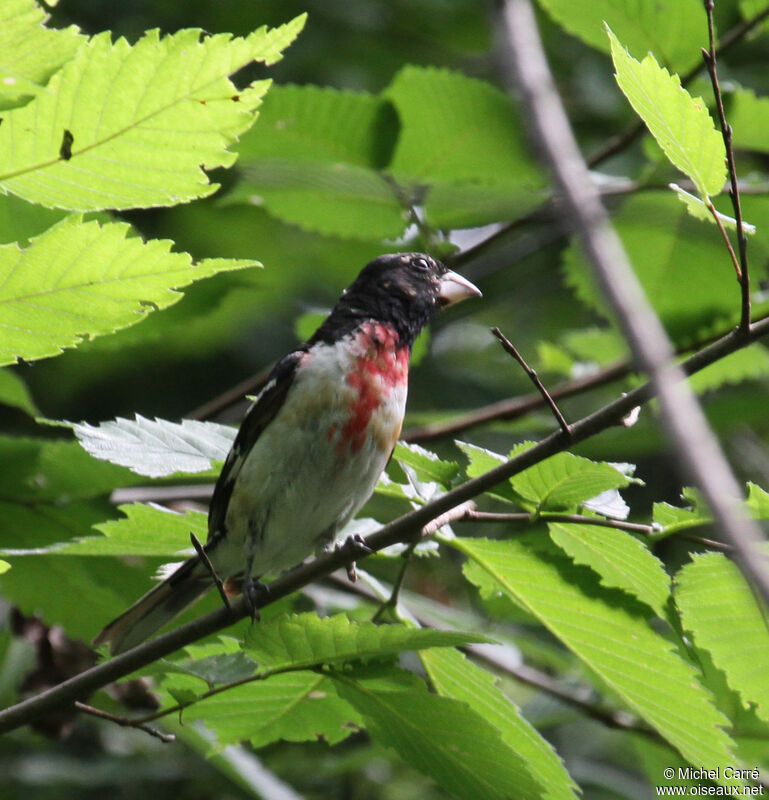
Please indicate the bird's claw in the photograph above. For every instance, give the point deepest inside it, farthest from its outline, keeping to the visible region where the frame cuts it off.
(353, 546)
(252, 588)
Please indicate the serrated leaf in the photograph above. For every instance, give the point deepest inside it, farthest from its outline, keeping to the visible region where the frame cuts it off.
(679, 262)
(672, 29)
(157, 447)
(482, 460)
(681, 124)
(428, 465)
(565, 481)
(638, 664)
(455, 676)
(721, 611)
(332, 199)
(219, 668)
(672, 519)
(621, 561)
(82, 279)
(31, 52)
(306, 640)
(747, 364)
(295, 706)
(127, 126)
(758, 501)
(455, 128)
(445, 739)
(146, 530)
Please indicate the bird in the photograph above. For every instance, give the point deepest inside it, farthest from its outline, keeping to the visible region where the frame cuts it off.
(313, 445)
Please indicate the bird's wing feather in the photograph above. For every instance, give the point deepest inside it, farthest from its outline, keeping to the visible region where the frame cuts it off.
(259, 416)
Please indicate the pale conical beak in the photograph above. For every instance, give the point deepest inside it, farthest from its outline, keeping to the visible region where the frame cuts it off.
(453, 288)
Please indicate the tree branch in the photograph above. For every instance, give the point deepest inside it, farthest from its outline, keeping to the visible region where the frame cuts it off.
(697, 449)
(399, 530)
(726, 132)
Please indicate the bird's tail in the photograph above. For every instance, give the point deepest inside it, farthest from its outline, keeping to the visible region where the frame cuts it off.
(159, 606)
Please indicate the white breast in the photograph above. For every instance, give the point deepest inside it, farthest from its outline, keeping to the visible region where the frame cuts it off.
(319, 460)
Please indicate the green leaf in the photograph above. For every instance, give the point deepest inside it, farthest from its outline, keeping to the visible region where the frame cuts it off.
(457, 129)
(681, 124)
(748, 364)
(758, 501)
(428, 466)
(31, 52)
(621, 561)
(4, 566)
(125, 126)
(144, 531)
(721, 611)
(565, 481)
(55, 471)
(316, 124)
(682, 266)
(157, 447)
(306, 640)
(617, 644)
(699, 210)
(445, 739)
(482, 460)
(455, 676)
(749, 118)
(83, 279)
(14, 393)
(332, 199)
(673, 29)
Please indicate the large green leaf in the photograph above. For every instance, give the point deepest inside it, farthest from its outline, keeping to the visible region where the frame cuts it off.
(31, 53)
(622, 561)
(454, 676)
(445, 739)
(83, 279)
(681, 124)
(457, 128)
(683, 266)
(125, 126)
(614, 641)
(722, 613)
(157, 447)
(673, 30)
(14, 393)
(306, 640)
(565, 481)
(144, 531)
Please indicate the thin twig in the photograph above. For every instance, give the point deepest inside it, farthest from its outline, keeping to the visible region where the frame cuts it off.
(743, 275)
(124, 722)
(728, 243)
(400, 530)
(392, 600)
(697, 449)
(579, 519)
(203, 556)
(510, 348)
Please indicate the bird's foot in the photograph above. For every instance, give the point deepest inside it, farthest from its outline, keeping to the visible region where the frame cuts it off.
(353, 546)
(252, 589)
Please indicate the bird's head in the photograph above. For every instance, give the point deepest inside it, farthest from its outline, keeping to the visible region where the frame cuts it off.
(401, 289)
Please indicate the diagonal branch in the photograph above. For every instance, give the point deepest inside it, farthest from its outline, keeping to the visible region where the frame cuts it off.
(399, 530)
(697, 449)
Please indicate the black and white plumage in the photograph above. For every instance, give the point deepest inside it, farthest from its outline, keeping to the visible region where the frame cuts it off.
(314, 443)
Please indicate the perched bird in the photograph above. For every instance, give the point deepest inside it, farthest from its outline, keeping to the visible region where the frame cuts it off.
(314, 443)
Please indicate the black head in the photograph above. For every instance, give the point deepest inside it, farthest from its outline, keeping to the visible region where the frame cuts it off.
(402, 289)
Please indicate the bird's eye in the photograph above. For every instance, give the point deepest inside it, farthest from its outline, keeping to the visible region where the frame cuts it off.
(420, 264)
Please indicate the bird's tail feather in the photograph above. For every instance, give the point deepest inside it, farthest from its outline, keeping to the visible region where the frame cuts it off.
(160, 605)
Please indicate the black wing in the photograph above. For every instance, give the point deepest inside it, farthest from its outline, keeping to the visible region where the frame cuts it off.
(259, 416)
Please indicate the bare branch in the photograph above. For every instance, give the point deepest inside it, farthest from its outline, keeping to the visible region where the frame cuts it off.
(510, 348)
(545, 516)
(124, 722)
(743, 275)
(696, 447)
